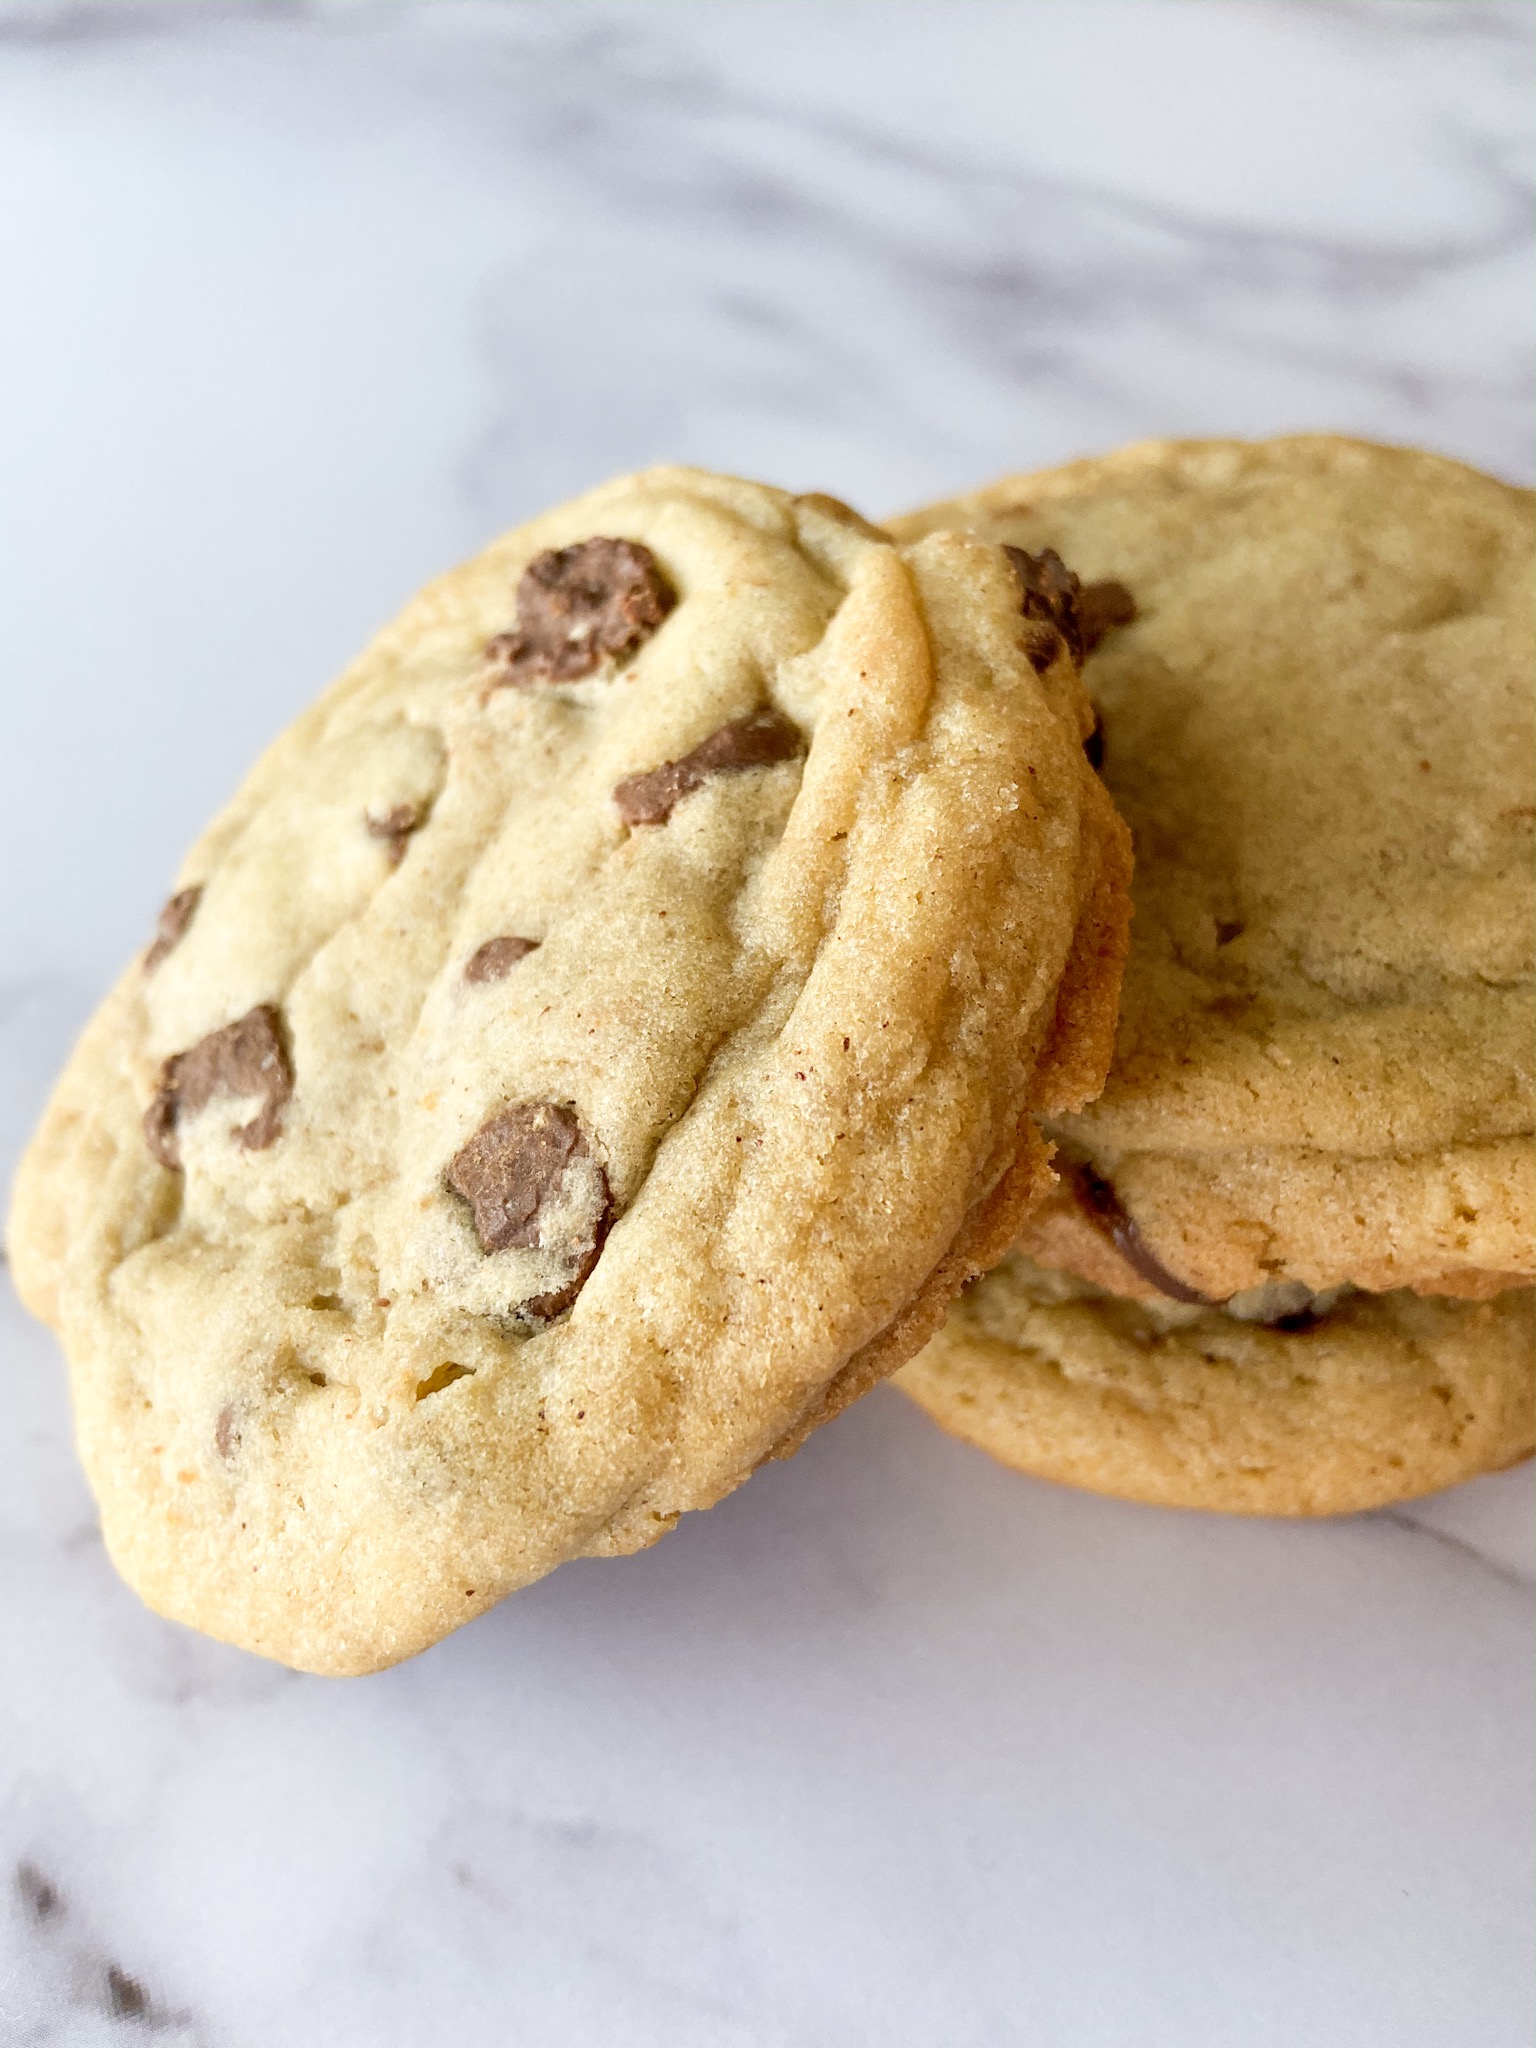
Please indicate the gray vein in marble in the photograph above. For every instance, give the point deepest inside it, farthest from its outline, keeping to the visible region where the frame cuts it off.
(1017, 280)
(1523, 1581)
(505, 1878)
(1428, 20)
(60, 1962)
(1017, 275)
(69, 26)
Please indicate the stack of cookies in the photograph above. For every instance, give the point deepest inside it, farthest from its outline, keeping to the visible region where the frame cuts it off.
(673, 980)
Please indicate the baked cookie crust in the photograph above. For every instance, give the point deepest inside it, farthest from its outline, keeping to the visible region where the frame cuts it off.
(595, 1043)
(1385, 1397)
(1319, 724)
(1314, 684)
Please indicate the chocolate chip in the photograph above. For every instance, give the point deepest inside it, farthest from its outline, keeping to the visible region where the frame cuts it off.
(171, 924)
(1050, 606)
(497, 958)
(577, 605)
(756, 741)
(513, 1171)
(512, 1166)
(1041, 644)
(1099, 1202)
(245, 1058)
(396, 826)
(1100, 608)
(1093, 746)
(547, 1306)
(1228, 929)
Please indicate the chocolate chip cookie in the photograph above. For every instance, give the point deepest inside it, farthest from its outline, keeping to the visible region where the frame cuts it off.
(593, 1046)
(1376, 1398)
(1312, 674)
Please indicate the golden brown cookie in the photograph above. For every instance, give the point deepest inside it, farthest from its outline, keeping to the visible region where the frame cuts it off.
(594, 1044)
(1383, 1397)
(1312, 672)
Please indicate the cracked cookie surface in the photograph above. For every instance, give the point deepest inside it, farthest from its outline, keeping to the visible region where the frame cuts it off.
(595, 1043)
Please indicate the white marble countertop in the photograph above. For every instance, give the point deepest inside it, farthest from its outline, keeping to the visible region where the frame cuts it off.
(299, 304)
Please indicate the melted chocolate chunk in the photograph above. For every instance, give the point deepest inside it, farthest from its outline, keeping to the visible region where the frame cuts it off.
(1099, 1202)
(756, 741)
(512, 1170)
(1050, 606)
(245, 1058)
(497, 957)
(1041, 644)
(1100, 608)
(396, 826)
(578, 605)
(512, 1166)
(1093, 746)
(547, 1306)
(171, 924)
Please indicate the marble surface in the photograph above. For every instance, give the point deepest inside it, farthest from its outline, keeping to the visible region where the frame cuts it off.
(300, 304)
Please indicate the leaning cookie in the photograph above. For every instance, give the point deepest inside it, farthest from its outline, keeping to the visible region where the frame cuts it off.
(1313, 688)
(593, 1046)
